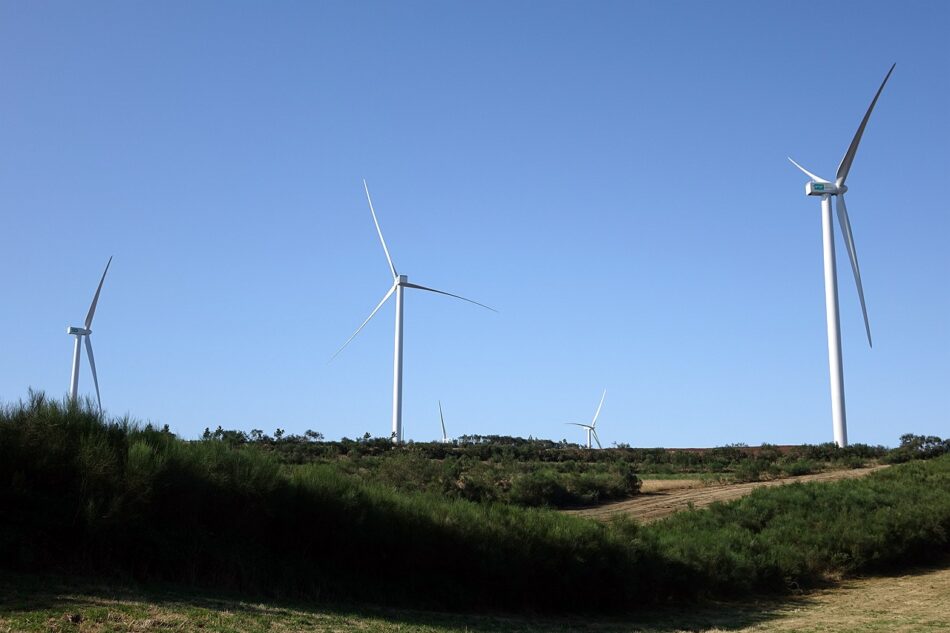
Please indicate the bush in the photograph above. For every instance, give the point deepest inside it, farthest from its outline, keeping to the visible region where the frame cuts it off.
(799, 467)
(748, 470)
(538, 489)
(918, 447)
(799, 533)
(84, 495)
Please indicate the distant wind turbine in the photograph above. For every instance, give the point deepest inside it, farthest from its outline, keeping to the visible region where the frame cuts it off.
(825, 189)
(445, 437)
(82, 333)
(592, 427)
(400, 282)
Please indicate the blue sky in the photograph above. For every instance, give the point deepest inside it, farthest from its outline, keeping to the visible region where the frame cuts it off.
(611, 176)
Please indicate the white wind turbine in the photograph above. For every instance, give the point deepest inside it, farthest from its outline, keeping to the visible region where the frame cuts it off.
(82, 333)
(825, 189)
(400, 282)
(445, 437)
(592, 427)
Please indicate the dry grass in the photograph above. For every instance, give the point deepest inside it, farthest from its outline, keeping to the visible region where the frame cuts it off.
(916, 602)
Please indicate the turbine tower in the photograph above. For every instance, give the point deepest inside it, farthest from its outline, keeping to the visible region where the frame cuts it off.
(592, 427)
(400, 283)
(825, 189)
(83, 333)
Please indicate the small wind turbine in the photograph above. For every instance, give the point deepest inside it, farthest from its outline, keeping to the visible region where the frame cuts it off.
(445, 437)
(400, 282)
(592, 427)
(84, 333)
(825, 189)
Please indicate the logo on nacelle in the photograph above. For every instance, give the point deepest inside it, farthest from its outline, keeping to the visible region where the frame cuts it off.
(819, 187)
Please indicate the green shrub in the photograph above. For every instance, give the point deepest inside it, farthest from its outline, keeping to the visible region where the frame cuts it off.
(799, 467)
(918, 447)
(84, 495)
(748, 470)
(539, 488)
(799, 533)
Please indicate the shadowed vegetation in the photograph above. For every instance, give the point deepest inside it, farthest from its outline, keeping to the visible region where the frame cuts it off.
(45, 604)
(82, 495)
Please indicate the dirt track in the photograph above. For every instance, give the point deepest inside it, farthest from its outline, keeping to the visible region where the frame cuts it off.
(661, 498)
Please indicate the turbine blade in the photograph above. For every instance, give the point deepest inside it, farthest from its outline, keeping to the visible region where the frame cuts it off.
(596, 439)
(371, 314)
(442, 418)
(594, 423)
(845, 165)
(583, 426)
(808, 173)
(389, 259)
(417, 286)
(92, 365)
(845, 223)
(95, 299)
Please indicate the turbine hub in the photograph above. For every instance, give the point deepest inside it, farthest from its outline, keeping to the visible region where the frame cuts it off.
(823, 189)
(78, 331)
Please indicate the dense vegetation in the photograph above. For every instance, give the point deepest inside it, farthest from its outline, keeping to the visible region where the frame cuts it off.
(535, 472)
(485, 470)
(797, 534)
(82, 495)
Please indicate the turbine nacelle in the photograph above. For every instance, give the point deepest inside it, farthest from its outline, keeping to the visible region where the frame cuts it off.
(824, 189)
(401, 280)
(78, 331)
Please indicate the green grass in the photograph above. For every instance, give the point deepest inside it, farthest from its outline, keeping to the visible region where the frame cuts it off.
(799, 534)
(83, 496)
(31, 603)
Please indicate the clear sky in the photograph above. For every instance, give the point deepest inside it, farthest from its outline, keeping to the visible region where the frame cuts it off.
(611, 176)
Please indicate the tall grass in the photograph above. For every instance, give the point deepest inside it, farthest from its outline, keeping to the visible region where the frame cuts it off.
(79, 494)
(802, 534)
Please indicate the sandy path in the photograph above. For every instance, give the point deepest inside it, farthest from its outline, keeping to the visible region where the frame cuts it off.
(661, 498)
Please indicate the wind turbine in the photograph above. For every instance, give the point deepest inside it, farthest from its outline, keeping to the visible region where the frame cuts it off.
(400, 283)
(592, 427)
(82, 333)
(825, 189)
(445, 437)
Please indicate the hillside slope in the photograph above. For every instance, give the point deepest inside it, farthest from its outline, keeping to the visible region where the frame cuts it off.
(658, 502)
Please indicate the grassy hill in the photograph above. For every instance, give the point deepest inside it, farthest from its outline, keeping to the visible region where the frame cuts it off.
(541, 473)
(106, 498)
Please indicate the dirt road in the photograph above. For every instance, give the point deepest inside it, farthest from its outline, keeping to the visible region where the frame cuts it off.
(661, 498)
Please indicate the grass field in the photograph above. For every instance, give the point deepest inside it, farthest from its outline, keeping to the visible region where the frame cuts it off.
(909, 603)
